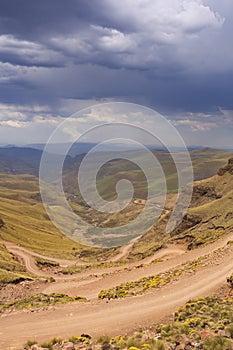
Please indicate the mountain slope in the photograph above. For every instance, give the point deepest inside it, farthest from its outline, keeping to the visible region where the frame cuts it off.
(25, 220)
(28, 224)
(210, 216)
(19, 160)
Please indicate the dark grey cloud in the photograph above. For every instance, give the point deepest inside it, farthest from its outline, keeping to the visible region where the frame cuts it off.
(35, 19)
(173, 55)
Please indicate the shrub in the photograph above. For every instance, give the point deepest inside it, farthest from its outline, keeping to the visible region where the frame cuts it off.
(217, 343)
(31, 342)
(229, 329)
(47, 345)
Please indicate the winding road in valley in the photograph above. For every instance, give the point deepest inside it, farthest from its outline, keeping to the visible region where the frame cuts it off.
(97, 317)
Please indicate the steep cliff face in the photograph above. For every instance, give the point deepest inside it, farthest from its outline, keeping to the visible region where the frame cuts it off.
(227, 168)
(203, 194)
(211, 210)
(216, 187)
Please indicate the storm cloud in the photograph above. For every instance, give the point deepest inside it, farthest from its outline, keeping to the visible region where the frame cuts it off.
(173, 55)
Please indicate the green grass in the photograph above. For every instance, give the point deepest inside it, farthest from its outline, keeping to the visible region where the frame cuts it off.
(212, 218)
(8, 262)
(13, 277)
(209, 313)
(205, 162)
(41, 262)
(26, 221)
(40, 300)
(11, 271)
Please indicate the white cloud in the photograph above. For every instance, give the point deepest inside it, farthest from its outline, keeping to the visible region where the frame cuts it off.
(168, 16)
(157, 31)
(14, 123)
(195, 125)
(194, 17)
(205, 121)
(113, 40)
(20, 116)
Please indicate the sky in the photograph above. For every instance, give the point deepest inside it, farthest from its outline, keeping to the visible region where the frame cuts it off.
(174, 56)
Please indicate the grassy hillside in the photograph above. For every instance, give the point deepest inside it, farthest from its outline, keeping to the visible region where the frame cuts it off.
(11, 270)
(27, 223)
(19, 160)
(211, 210)
(205, 162)
(25, 220)
(210, 216)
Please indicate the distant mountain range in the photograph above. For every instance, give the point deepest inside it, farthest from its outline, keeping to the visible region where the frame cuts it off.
(26, 160)
(19, 160)
(84, 147)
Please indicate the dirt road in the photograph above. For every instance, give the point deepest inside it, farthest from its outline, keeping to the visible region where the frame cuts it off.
(28, 257)
(123, 315)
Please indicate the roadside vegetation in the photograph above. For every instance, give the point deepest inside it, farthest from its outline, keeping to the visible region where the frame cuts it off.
(203, 323)
(11, 270)
(70, 270)
(145, 284)
(38, 301)
(41, 262)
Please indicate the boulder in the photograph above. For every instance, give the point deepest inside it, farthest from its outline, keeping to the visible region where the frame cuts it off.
(2, 224)
(206, 334)
(226, 169)
(68, 346)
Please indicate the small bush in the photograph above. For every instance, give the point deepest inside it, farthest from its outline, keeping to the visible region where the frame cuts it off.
(217, 343)
(47, 345)
(31, 342)
(229, 329)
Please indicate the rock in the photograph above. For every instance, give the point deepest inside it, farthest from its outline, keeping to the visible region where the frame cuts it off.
(182, 342)
(226, 169)
(230, 280)
(188, 347)
(222, 333)
(35, 347)
(179, 347)
(229, 215)
(68, 346)
(181, 339)
(228, 333)
(203, 194)
(206, 334)
(187, 222)
(2, 224)
(144, 338)
(98, 347)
